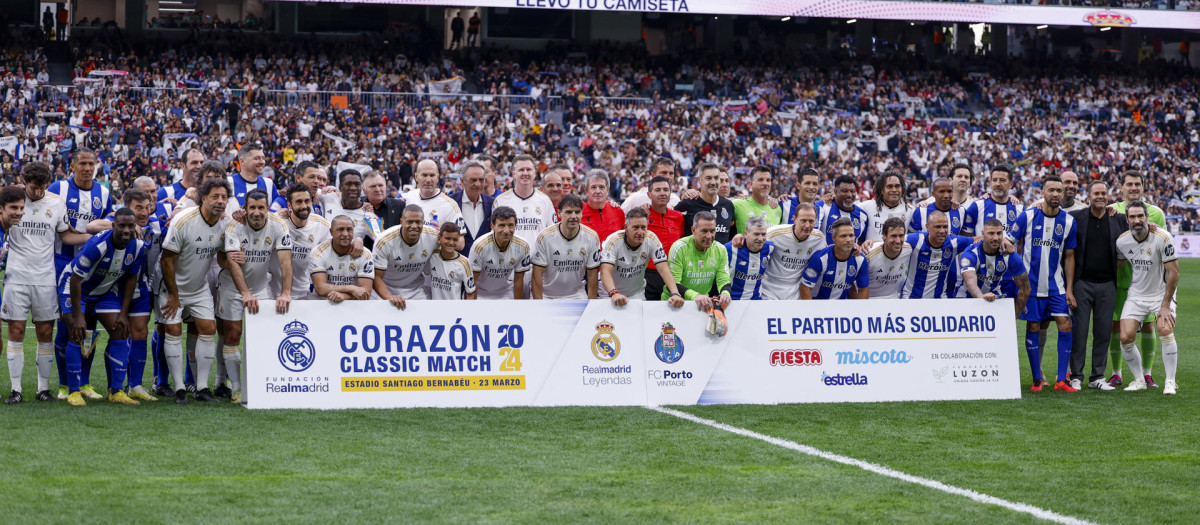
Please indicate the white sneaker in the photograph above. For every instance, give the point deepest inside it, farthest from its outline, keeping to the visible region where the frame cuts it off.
(1076, 384)
(1169, 388)
(1136, 384)
(1101, 384)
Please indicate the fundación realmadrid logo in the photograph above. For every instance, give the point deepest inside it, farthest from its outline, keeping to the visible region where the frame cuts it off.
(668, 347)
(296, 352)
(605, 345)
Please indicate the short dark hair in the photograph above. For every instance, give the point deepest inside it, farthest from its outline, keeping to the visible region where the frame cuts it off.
(303, 166)
(295, 188)
(844, 221)
(484, 157)
(707, 166)
(248, 149)
(762, 169)
(11, 194)
(83, 151)
(703, 216)
(448, 227)
(36, 173)
(994, 223)
(1095, 182)
(186, 152)
(637, 213)
(1132, 173)
(211, 184)
(133, 195)
(211, 166)
(257, 194)
(1005, 169)
(349, 173)
(413, 208)
(844, 179)
(1051, 178)
(500, 213)
(656, 180)
(570, 200)
(659, 160)
(1137, 204)
(961, 166)
(892, 222)
(123, 212)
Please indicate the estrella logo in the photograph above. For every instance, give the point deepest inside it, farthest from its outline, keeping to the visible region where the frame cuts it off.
(296, 352)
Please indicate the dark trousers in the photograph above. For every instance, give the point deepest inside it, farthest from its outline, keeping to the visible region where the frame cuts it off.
(654, 285)
(1095, 304)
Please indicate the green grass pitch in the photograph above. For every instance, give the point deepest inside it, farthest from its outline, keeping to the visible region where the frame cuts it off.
(1100, 456)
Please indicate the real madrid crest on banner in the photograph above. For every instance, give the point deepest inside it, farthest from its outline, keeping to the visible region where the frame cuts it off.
(605, 346)
(296, 352)
(668, 347)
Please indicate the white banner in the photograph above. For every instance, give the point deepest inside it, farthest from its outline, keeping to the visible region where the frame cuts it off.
(9, 144)
(1187, 245)
(548, 353)
(972, 12)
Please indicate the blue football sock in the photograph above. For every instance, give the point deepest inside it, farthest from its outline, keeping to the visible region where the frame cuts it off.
(108, 363)
(137, 363)
(74, 366)
(60, 352)
(118, 359)
(162, 373)
(1064, 354)
(1035, 355)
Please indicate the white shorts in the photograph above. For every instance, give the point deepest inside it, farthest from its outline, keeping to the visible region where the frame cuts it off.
(199, 306)
(1138, 310)
(20, 301)
(230, 307)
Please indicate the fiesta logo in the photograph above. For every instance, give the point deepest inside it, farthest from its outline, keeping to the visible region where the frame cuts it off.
(804, 357)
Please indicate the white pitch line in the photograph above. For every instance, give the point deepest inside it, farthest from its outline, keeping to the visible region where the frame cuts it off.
(1025, 508)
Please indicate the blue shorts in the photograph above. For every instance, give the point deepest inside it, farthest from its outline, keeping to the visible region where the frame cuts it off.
(1008, 288)
(109, 303)
(141, 304)
(1038, 309)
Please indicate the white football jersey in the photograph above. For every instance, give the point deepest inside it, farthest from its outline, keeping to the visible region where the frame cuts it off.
(31, 242)
(496, 267)
(304, 241)
(197, 242)
(887, 274)
(258, 247)
(403, 263)
(566, 261)
(782, 280)
(877, 215)
(438, 209)
(534, 214)
(449, 279)
(629, 264)
(1147, 258)
(340, 270)
(361, 229)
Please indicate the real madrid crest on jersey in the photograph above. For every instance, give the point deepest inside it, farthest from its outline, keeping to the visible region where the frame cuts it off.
(605, 345)
(296, 351)
(353, 267)
(266, 241)
(668, 347)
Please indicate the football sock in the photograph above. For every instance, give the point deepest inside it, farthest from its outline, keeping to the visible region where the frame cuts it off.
(206, 352)
(118, 358)
(1064, 354)
(137, 363)
(45, 363)
(191, 357)
(1146, 345)
(74, 366)
(233, 365)
(161, 371)
(173, 354)
(1034, 352)
(220, 365)
(1170, 355)
(16, 363)
(60, 352)
(1114, 352)
(1133, 358)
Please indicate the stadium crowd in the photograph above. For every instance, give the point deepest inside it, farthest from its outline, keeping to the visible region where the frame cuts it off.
(729, 181)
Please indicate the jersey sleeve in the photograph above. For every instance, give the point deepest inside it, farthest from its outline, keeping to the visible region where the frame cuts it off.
(812, 272)
(316, 264)
(379, 257)
(969, 218)
(525, 264)
(914, 220)
(730, 258)
(61, 223)
(595, 253)
(722, 278)
(476, 259)
(963, 242)
(657, 254)
(607, 254)
(283, 241)
(862, 280)
(1069, 240)
(1018, 228)
(864, 222)
(1016, 265)
(676, 262)
(1168, 248)
(174, 239)
(279, 203)
(367, 270)
(967, 262)
(233, 241)
(468, 279)
(538, 257)
(87, 259)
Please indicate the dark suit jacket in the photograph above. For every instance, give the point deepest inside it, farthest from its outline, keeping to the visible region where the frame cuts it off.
(485, 227)
(391, 211)
(1116, 226)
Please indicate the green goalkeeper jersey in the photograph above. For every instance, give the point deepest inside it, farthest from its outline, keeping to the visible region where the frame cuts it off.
(697, 271)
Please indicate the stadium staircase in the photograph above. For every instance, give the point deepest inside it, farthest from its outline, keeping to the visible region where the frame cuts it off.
(62, 73)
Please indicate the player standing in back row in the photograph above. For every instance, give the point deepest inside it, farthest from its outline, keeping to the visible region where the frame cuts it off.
(1151, 289)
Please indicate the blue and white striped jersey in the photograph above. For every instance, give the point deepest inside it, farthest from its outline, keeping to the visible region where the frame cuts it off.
(830, 278)
(83, 206)
(747, 269)
(919, 219)
(241, 187)
(100, 265)
(152, 236)
(933, 270)
(981, 210)
(1043, 242)
(827, 214)
(173, 191)
(990, 270)
(162, 211)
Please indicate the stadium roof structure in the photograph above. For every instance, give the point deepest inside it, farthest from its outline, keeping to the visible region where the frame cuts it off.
(853, 9)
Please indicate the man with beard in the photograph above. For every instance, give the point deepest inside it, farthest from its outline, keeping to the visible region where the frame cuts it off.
(985, 267)
(889, 261)
(888, 203)
(710, 201)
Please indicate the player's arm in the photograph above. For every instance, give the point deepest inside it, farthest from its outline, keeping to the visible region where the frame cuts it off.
(535, 286)
(592, 288)
(1023, 291)
(75, 319)
(810, 277)
(334, 293)
(98, 226)
(1069, 270)
(239, 281)
(1166, 318)
(381, 288)
(664, 271)
(723, 281)
(971, 281)
(593, 271)
(362, 292)
(284, 301)
(518, 285)
(606, 271)
(167, 263)
(862, 282)
(73, 238)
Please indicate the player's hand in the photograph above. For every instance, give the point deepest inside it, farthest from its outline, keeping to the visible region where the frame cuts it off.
(989, 297)
(703, 302)
(923, 204)
(398, 302)
(172, 306)
(284, 214)
(1071, 300)
(725, 299)
(326, 190)
(239, 216)
(356, 247)
(619, 300)
(336, 297)
(282, 303)
(868, 244)
(78, 325)
(191, 193)
(738, 241)
(1166, 319)
(1008, 246)
(367, 208)
(237, 258)
(690, 193)
(121, 324)
(1153, 227)
(676, 301)
(361, 294)
(250, 302)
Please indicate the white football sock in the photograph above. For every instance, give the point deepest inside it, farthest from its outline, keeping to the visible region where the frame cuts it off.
(16, 363)
(45, 363)
(1133, 358)
(1170, 355)
(206, 351)
(173, 351)
(233, 366)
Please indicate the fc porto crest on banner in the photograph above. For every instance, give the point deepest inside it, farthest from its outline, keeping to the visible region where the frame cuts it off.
(668, 347)
(296, 351)
(606, 346)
